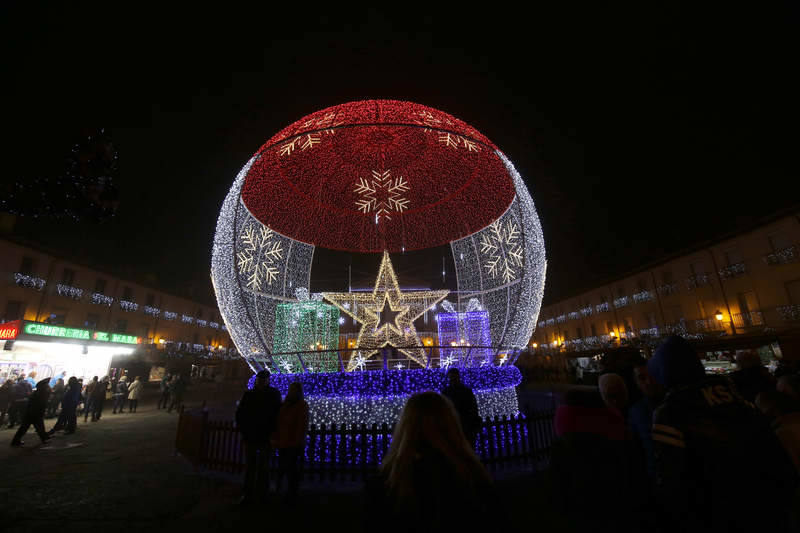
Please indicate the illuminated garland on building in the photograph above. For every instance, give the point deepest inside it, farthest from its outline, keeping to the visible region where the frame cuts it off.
(152, 311)
(102, 299)
(169, 315)
(69, 291)
(186, 319)
(32, 282)
(128, 306)
(642, 296)
(622, 301)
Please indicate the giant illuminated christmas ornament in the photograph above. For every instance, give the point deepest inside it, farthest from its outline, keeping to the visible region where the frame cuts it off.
(381, 177)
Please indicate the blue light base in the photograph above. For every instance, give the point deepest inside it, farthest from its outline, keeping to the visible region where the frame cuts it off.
(377, 397)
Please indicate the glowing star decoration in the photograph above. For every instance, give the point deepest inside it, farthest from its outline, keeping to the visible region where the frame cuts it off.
(382, 195)
(257, 257)
(503, 251)
(387, 314)
(503, 359)
(447, 361)
(359, 362)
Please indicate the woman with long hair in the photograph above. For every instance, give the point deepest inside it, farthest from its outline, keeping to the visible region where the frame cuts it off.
(290, 438)
(430, 479)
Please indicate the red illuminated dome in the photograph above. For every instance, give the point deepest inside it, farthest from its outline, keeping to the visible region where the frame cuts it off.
(378, 175)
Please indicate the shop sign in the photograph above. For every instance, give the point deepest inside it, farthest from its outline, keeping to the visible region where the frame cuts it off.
(34, 328)
(46, 330)
(9, 330)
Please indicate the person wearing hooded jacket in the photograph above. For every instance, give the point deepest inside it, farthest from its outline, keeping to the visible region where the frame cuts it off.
(718, 466)
(34, 414)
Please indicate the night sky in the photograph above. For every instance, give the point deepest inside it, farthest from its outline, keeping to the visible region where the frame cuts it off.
(640, 130)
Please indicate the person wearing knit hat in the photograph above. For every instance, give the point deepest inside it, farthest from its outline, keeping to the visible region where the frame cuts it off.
(34, 414)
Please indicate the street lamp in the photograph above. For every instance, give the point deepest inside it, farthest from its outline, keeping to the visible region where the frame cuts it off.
(718, 315)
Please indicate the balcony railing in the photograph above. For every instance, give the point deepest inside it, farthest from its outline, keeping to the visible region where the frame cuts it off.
(708, 324)
(574, 316)
(781, 257)
(698, 280)
(561, 319)
(748, 320)
(733, 271)
(586, 311)
(677, 328)
(790, 312)
(602, 307)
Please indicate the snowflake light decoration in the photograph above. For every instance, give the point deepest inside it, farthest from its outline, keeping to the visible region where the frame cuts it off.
(359, 362)
(258, 256)
(382, 195)
(447, 361)
(503, 250)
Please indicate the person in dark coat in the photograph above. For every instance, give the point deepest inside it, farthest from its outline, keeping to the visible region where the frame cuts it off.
(590, 462)
(752, 376)
(98, 398)
(120, 395)
(718, 464)
(640, 416)
(431, 479)
(6, 397)
(163, 400)
(19, 400)
(69, 407)
(176, 389)
(290, 439)
(256, 419)
(89, 398)
(56, 394)
(465, 403)
(34, 414)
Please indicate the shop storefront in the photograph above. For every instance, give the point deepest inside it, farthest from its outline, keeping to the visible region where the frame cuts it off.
(50, 350)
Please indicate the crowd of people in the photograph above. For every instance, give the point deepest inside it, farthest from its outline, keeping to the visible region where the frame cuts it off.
(25, 402)
(680, 449)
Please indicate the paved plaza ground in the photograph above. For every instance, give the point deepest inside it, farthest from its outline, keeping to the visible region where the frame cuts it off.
(122, 473)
